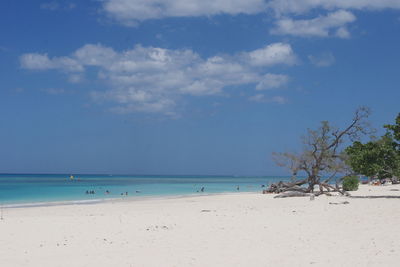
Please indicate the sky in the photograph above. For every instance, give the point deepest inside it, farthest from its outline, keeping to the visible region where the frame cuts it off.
(185, 86)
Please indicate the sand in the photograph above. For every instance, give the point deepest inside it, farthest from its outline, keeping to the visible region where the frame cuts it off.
(244, 229)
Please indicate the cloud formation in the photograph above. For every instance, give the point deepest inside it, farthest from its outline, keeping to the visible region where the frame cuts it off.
(133, 12)
(333, 24)
(130, 12)
(36, 61)
(271, 81)
(304, 6)
(151, 79)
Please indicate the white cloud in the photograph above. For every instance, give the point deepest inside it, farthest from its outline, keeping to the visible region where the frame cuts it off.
(260, 98)
(95, 55)
(35, 61)
(323, 60)
(151, 79)
(342, 32)
(303, 6)
(334, 24)
(271, 81)
(321, 26)
(130, 12)
(271, 54)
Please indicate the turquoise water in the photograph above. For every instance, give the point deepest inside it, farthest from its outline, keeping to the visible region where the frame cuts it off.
(28, 188)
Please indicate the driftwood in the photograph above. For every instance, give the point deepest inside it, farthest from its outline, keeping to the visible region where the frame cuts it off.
(297, 187)
(281, 187)
(292, 194)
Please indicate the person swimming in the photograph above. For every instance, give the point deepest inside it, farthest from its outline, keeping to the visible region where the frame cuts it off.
(202, 189)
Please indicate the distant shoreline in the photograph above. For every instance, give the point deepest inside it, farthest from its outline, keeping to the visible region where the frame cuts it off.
(34, 189)
(116, 199)
(136, 175)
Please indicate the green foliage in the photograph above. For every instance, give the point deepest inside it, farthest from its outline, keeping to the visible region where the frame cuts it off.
(375, 158)
(350, 183)
(395, 130)
(379, 158)
(362, 158)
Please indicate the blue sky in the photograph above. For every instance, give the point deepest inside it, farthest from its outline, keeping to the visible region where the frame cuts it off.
(185, 86)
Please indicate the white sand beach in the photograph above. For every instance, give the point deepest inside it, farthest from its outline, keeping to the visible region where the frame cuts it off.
(217, 230)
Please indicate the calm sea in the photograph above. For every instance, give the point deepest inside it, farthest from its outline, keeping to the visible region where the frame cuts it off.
(30, 188)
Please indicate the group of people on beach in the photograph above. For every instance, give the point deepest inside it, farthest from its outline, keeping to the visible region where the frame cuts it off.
(107, 192)
(202, 189)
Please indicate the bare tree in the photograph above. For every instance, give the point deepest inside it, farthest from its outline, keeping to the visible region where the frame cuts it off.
(321, 156)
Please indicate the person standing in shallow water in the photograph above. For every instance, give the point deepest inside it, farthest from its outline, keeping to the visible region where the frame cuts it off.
(237, 188)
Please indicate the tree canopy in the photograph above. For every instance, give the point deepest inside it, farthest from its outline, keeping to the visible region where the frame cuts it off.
(378, 158)
(394, 129)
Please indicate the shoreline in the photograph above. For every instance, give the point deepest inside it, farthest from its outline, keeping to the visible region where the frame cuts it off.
(116, 199)
(132, 198)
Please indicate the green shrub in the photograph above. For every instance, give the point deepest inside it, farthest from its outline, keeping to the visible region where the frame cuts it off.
(350, 183)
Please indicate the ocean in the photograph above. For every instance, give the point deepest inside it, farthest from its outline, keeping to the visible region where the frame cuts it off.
(38, 188)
